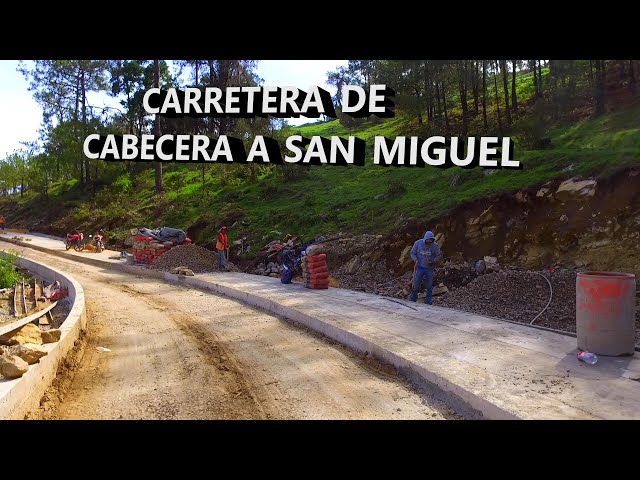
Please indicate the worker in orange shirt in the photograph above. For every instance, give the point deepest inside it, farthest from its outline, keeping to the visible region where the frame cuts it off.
(3, 223)
(222, 246)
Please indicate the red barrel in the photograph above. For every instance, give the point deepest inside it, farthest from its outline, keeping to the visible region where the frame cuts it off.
(605, 312)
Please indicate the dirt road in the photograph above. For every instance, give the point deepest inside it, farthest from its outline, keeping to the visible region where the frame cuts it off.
(179, 353)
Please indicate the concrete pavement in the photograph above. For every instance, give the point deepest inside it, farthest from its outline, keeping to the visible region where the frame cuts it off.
(499, 369)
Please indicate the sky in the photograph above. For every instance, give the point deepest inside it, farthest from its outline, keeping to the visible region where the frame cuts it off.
(21, 116)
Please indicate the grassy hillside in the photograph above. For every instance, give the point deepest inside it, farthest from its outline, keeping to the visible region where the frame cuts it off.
(313, 200)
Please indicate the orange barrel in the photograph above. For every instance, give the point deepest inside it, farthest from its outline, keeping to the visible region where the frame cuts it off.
(606, 312)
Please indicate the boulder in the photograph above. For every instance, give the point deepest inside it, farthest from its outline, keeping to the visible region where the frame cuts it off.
(51, 336)
(544, 193)
(573, 188)
(29, 352)
(439, 289)
(564, 218)
(30, 333)
(353, 265)
(522, 197)
(405, 257)
(12, 366)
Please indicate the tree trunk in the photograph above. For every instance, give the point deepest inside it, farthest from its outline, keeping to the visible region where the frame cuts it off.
(632, 78)
(591, 71)
(484, 94)
(540, 77)
(505, 81)
(462, 82)
(444, 104)
(476, 89)
(514, 97)
(599, 94)
(87, 171)
(156, 84)
(495, 82)
(535, 76)
(428, 91)
(438, 100)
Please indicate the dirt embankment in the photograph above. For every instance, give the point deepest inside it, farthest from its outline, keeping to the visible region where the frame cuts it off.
(577, 222)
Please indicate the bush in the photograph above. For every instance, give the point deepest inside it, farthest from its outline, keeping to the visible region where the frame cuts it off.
(396, 187)
(8, 274)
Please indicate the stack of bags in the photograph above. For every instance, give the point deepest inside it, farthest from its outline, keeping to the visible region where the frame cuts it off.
(314, 271)
(147, 249)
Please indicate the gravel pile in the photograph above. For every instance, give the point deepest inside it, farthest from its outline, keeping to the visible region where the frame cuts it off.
(195, 258)
(520, 296)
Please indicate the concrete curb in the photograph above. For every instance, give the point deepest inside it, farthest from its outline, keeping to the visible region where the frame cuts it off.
(465, 398)
(22, 395)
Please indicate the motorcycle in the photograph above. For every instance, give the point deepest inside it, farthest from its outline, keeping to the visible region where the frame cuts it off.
(98, 239)
(291, 261)
(75, 240)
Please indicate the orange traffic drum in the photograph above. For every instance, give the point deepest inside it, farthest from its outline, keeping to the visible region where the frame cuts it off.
(605, 312)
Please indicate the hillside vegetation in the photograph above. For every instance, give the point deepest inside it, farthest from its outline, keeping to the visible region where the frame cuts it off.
(267, 202)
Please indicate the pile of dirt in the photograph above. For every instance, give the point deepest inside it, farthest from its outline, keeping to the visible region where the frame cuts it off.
(520, 296)
(195, 258)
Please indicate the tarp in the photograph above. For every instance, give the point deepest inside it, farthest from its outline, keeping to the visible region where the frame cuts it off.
(165, 234)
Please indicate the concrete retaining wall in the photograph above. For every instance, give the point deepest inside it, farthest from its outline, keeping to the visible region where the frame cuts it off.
(22, 395)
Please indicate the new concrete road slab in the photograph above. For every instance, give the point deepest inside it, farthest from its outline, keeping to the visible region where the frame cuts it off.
(500, 369)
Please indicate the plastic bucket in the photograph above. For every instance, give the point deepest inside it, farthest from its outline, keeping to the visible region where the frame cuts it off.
(605, 312)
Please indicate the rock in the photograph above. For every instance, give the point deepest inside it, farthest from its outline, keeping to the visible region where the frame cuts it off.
(134, 232)
(275, 275)
(455, 180)
(491, 263)
(29, 352)
(30, 333)
(522, 197)
(315, 249)
(480, 267)
(187, 272)
(353, 265)
(544, 193)
(266, 273)
(405, 257)
(51, 336)
(564, 218)
(12, 366)
(128, 242)
(439, 289)
(576, 188)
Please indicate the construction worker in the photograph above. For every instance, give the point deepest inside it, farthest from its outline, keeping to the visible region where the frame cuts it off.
(222, 246)
(425, 252)
(3, 223)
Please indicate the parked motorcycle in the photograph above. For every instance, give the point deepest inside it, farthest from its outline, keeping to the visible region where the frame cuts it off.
(75, 240)
(98, 239)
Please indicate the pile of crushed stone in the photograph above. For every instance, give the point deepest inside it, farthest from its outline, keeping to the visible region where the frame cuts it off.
(520, 296)
(195, 258)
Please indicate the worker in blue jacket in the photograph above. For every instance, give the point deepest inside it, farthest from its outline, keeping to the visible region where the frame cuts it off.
(425, 252)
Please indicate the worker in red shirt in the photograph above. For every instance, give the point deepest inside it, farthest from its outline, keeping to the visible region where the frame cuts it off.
(222, 246)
